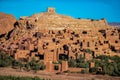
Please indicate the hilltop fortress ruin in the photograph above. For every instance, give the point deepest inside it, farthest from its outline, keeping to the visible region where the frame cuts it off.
(51, 37)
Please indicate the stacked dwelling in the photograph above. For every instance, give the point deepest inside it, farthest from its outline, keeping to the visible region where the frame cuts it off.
(51, 37)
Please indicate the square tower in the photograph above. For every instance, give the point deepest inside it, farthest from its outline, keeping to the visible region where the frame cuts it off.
(51, 10)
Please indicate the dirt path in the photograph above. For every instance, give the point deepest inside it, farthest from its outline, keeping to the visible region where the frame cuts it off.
(53, 76)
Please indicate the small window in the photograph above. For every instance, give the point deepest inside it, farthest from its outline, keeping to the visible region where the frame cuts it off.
(112, 34)
(84, 32)
(88, 44)
(76, 35)
(52, 50)
(96, 48)
(53, 39)
(47, 43)
(116, 41)
(106, 42)
(71, 38)
(56, 67)
(73, 33)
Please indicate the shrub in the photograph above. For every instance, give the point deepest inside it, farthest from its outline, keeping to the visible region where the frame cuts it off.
(19, 78)
(93, 70)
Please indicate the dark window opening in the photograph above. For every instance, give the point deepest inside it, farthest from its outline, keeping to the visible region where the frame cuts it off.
(93, 54)
(81, 44)
(53, 32)
(78, 41)
(52, 50)
(38, 34)
(73, 33)
(71, 57)
(102, 31)
(105, 52)
(35, 50)
(101, 44)
(36, 20)
(96, 48)
(75, 43)
(76, 35)
(57, 42)
(112, 34)
(83, 40)
(64, 30)
(47, 43)
(104, 35)
(56, 67)
(14, 51)
(41, 56)
(112, 48)
(84, 32)
(71, 38)
(65, 47)
(29, 26)
(88, 44)
(59, 32)
(63, 57)
(116, 41)
(24, 48)
(106, 42)
(53, 39)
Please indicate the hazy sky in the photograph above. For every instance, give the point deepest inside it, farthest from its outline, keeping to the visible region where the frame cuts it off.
(96, 9)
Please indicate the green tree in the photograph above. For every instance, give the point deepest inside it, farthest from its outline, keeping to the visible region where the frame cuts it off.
(115, 59)
(103, 57)
(93, 70)
(82, 65)
(36, 65)
(88, 51)
(80, 59)
(5, 60)
(72, 63)
(76, 55)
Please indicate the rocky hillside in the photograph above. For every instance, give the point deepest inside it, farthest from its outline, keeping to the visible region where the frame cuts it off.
(6, 23)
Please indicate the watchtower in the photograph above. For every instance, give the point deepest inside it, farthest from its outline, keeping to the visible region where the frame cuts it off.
(51, 10)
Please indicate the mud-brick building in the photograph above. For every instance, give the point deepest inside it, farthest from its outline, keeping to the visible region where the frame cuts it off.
(52, 37)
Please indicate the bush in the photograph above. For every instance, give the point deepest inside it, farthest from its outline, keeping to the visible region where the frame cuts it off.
(16, 64)
(93, 70)
(72, 63)
(82, 65)
(19, 78)
(5, 60)
(35, 65)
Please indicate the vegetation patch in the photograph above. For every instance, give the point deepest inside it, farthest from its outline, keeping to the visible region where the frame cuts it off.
(19, 78)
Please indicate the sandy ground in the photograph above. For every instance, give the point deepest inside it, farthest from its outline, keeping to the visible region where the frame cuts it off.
(53, 76)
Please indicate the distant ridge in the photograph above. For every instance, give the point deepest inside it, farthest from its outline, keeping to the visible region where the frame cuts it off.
(116, 24)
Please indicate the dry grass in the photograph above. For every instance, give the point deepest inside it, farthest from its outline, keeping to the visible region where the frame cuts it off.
(53, 76)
